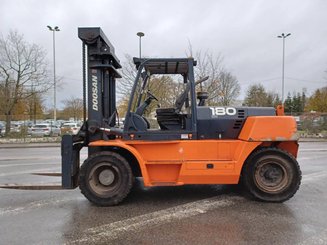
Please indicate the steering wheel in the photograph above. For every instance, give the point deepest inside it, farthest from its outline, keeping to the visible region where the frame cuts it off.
(151, 95)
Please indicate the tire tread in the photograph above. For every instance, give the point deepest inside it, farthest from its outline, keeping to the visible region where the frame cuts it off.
(246, 181)
(98, 200)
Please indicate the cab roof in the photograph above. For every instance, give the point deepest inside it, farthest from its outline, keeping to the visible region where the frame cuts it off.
(164, 65)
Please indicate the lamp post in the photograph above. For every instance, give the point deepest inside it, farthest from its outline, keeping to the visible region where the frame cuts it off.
(140, 34)
(283, 65)
(56, 28)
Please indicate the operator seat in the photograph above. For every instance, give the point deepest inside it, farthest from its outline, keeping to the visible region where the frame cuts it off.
(137, 123)
(171, 118)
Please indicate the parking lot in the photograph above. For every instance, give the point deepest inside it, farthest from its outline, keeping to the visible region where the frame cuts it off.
(199, 214)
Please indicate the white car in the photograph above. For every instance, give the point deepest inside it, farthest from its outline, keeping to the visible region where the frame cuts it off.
(15, 127)
(45, 129)
(70, 128)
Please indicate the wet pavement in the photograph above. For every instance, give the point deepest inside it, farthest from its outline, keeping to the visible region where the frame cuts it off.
(212, 214)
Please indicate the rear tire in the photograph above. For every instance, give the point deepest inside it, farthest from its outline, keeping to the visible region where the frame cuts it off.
(271, 175)
(105, 178)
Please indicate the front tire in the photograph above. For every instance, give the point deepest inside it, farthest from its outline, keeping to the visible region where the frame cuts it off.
(271, 175)
(105, 178)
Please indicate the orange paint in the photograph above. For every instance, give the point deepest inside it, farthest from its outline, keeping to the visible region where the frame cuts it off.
(280, 110)
(189, 161)
(269, 128)
(179, 162)
(289, 146)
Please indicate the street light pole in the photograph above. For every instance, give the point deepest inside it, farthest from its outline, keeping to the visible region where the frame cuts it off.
(283, 64)
(56, 28)
(140, 34)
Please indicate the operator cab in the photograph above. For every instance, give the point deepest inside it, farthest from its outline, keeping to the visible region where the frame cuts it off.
(161, 101)
(164, 106)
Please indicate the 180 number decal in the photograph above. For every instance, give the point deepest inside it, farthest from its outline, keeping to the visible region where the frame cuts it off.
(222, 111)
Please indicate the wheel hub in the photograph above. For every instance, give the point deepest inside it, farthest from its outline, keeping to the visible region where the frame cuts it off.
(106, 177)
(271, 176)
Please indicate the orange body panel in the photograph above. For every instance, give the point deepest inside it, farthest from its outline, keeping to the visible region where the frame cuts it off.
(189, 161)
(207, 161)
(269, 128)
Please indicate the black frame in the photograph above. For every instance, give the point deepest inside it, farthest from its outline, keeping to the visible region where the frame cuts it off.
(163, 134)
(101, 66)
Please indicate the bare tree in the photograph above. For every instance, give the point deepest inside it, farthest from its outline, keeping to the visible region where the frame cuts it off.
(73, 108)
(166, 88)
(207, 65)
(125, 84)
(222, 86)
(228, 89)
(23, 72)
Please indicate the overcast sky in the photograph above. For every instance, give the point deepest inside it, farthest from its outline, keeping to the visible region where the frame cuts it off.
(244, 32)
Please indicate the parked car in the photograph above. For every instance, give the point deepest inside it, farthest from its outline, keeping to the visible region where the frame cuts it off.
(70, 128)
(15, 127)
(45, 129)
(2, 129)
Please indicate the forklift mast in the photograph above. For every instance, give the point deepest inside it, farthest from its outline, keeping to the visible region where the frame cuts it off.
(101, 65)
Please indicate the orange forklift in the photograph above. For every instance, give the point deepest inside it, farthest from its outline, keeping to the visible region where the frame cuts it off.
(184, 143)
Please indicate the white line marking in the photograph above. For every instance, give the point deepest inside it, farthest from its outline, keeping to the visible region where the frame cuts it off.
(313, 150)
(314, 176)
(316, 157)
(304, 158)
(33, 205)
(116, 229)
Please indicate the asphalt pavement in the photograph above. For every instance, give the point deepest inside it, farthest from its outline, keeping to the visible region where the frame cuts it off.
(192, 214)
